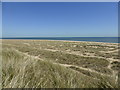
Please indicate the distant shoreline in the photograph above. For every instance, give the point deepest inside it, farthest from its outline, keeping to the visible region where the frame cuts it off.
(85, 39)
(62, 41)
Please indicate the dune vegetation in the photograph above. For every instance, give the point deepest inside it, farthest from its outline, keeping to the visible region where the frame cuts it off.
(59, 64)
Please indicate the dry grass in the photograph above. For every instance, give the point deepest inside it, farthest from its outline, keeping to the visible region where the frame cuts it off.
(22, 70)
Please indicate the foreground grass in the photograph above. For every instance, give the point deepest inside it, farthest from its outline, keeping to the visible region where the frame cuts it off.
(22, 71)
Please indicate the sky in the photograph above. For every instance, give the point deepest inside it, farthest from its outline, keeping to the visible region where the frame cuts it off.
(0, 20)
(59, 19)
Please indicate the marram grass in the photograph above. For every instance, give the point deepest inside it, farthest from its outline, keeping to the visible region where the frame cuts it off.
(22, 69)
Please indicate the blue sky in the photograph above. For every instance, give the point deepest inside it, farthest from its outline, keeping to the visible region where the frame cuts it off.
(0, 20)
(60, 19)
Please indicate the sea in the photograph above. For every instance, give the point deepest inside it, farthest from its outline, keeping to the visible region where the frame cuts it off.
(90, 39)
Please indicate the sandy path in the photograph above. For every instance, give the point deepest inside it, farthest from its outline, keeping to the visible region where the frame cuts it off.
(115, 73)
(74, 53)
(65, 65)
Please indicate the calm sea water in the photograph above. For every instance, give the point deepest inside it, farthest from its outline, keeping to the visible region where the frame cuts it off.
(92, 39)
